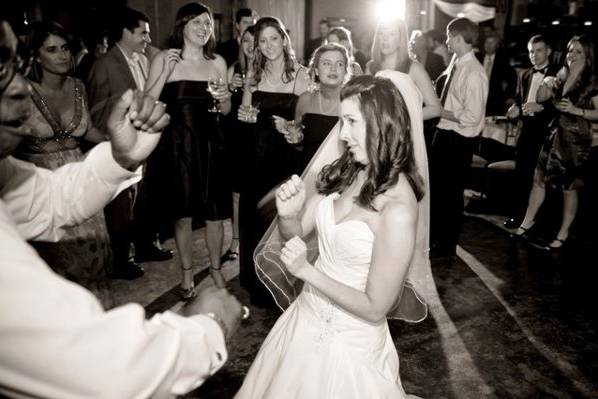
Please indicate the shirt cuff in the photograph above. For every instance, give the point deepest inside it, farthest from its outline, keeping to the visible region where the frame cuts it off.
(107, 169)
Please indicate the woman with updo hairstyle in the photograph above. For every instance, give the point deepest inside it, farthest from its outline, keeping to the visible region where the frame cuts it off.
(317, 110)
(342, 36)
(59, 122)
(185, 178)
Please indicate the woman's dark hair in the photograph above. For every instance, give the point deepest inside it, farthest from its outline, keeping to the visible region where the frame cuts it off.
(40, 32)
(259, 61)
(388, 143)
(241, 57)
(185, 14)
(588, 49)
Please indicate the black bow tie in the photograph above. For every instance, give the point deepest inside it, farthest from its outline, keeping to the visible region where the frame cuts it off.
(542, 70)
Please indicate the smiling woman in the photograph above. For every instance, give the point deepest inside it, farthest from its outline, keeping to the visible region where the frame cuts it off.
(59, 119)
(273, 85)
(185, 176)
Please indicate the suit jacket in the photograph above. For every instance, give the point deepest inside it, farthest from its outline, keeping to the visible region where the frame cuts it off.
(108, 79)
(502, 84)
(229, 50)
(523, 85)
(434, 65)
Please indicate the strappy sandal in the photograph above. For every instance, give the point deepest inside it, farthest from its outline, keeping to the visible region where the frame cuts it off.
(187, 293)
(522, 232)
(230, 254)
(560, 244)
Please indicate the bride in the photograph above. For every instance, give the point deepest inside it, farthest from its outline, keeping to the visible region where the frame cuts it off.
(333, 340)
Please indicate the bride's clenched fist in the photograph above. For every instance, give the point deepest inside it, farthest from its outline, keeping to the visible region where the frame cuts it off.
(290, 197)
(294, 257)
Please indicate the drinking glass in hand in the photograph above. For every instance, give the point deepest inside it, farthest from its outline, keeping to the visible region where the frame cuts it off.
(249, 113)
(214, 85)
(294, 132)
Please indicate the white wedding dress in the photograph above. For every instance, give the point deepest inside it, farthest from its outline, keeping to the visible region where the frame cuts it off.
(316, 350)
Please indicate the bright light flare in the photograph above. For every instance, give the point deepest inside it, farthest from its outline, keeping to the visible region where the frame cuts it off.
(387, 10)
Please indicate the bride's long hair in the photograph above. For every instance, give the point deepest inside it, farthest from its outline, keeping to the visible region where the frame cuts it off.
(388, 143)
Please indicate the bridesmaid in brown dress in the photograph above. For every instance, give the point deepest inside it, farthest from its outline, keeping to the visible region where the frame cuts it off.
(59, 120)
(564, 158)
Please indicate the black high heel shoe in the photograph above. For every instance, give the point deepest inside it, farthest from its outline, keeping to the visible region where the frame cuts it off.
(522, 233)
(187, 293)
(555, 248)
(230, 254)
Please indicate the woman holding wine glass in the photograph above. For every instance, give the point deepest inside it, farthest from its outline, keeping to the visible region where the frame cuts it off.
(275, 84)
(316, 112)
(563, 161)
(185, 175)
(236, 134)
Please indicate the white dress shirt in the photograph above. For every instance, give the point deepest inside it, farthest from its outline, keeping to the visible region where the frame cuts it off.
(466, 97)
(56, 341)
(537, 79)
(138, 65)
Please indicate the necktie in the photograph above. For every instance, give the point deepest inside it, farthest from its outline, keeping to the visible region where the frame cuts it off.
(143, 73)
(447, 84)
(541, 70)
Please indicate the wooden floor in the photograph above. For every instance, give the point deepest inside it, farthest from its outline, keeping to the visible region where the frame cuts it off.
(507, 320)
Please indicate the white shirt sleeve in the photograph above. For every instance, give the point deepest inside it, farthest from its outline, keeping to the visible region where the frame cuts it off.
(41, 202)
(56, 341)
(474, 94)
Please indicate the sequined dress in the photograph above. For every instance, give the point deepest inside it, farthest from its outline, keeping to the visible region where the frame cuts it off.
(83, 255)
(318, 350)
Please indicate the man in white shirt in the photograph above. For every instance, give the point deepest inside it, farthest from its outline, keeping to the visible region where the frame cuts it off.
(461, 120)
(535, 118)
(124, 67)
(55, 338)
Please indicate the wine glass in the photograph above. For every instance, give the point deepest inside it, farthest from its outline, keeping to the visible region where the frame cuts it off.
(213, 85)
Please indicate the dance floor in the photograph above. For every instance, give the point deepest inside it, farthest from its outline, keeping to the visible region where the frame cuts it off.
(507, 320)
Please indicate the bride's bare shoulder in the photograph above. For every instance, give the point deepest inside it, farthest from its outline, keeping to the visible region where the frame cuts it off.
(399, 201)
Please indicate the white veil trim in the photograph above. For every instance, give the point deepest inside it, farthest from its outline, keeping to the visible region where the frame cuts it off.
(285, 288)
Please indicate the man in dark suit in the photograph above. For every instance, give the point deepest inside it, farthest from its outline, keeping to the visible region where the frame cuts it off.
(535, 118)
(502, 79)
(313, 44)
(229, 49)
(123, 67)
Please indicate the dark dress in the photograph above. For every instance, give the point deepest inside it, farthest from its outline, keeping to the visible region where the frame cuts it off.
(186, 174)
(271, 161)
(237, 135)
(566, 151)
(315, 129)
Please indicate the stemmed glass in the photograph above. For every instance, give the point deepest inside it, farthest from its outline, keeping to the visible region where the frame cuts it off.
(213, 85)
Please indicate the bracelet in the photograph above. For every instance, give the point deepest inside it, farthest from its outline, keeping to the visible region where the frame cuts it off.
(218, 320)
